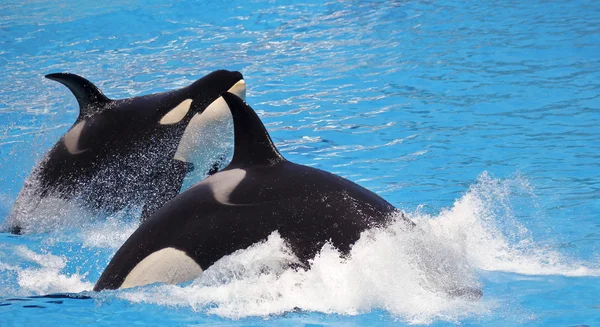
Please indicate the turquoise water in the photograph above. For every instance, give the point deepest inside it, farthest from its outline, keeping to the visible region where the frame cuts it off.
(479, 119)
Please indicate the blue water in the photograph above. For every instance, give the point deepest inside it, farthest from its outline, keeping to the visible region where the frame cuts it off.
(479, 119)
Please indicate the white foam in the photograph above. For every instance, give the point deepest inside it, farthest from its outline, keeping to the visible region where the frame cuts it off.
(47, 278)
(409, 273)
(381, 274)
(481, 225)
(40, 272)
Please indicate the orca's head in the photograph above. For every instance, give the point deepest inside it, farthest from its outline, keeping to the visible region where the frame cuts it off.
(203, 92)
(207, 89)
(208, 135)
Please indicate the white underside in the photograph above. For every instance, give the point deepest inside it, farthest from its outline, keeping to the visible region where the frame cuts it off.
(203, 137)
(169, 266)
(204, 132)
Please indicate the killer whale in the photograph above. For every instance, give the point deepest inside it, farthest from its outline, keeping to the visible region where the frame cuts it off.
(133, 151)
(259, 192)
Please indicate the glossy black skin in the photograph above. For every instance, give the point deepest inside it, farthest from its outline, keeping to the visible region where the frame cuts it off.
(127, 155)
(307, 206)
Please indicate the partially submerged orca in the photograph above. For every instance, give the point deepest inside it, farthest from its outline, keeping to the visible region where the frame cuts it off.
(258, 193)
(126, 152)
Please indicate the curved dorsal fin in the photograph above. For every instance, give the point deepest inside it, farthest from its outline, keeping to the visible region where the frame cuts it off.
(89, 97)
(252, 143)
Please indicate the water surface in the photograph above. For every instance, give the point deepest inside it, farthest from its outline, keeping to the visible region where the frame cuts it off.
(479, 119)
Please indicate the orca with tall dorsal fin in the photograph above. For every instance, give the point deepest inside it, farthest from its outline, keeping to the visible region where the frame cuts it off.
(259, 192)
(127, 152)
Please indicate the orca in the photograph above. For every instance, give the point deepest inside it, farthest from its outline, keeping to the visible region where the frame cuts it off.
(259, 192)
(126, 152)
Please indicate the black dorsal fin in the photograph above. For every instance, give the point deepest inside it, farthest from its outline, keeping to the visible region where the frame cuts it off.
(89, 97)
(252, 143)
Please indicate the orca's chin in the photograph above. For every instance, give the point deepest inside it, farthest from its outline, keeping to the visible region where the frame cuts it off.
(239, 89)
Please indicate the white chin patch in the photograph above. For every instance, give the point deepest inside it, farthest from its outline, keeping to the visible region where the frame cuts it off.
(169, 265)
(239, 89)
(176, 114)
(203, 137)
(71, 139)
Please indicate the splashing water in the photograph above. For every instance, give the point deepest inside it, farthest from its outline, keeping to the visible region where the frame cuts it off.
(414, 274)
(481, 226)
(45, 277)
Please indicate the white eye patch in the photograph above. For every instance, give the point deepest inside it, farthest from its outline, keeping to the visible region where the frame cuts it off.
(176, 114)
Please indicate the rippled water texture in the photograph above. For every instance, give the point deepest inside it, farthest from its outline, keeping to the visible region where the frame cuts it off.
(479, 119)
